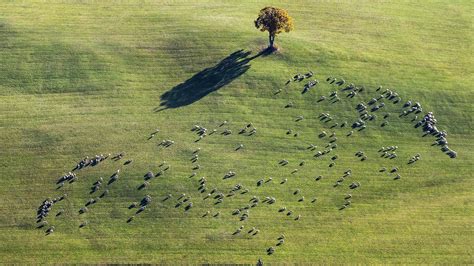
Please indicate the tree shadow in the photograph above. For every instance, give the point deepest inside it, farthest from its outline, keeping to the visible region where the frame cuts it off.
(208, 80)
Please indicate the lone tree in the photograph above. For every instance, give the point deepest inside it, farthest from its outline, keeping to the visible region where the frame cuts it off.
(274, 20)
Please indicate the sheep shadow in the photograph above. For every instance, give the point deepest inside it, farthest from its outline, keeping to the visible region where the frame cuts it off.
(208, 80)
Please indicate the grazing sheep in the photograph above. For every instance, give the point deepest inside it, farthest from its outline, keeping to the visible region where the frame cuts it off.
(188, 207)
(83, 210)
(354, 185)
(105, 193)
(50, 230)
(280, 242)
(270, 250)
(83, 224)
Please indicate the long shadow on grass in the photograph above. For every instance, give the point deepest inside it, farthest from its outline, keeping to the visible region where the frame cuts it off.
(208, 80)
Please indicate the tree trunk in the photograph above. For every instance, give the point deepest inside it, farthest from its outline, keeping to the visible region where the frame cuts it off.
(271, 40)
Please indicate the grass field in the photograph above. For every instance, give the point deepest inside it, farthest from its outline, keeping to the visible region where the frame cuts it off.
(79, 78)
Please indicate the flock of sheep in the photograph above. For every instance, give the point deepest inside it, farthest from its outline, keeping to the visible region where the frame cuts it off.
(367, 113)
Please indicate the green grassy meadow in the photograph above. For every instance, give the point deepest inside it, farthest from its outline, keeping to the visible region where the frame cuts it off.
(80, 78)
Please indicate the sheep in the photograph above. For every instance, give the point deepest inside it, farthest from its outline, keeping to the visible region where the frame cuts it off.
(280, 242)
(270, 250)
(50, 230)
(354, 185)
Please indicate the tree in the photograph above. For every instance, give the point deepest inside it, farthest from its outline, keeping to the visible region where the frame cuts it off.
(274, 20)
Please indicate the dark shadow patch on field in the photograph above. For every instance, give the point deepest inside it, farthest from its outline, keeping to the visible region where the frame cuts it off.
(208, 80)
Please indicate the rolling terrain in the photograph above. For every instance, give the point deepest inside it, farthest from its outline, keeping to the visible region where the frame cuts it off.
(80, 78)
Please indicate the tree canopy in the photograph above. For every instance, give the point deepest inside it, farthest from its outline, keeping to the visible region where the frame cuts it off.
(274, 20)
